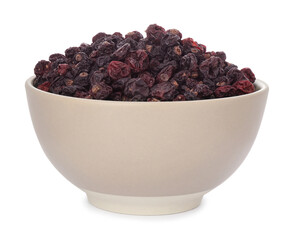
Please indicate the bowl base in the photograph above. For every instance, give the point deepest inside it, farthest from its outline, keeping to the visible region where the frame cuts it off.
(144, 205)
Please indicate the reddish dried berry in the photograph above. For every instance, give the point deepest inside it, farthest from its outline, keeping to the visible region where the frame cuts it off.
(117, 70)
(248, 74)
(225, 91)
(63, 68)
(44, 86)
(244, 87)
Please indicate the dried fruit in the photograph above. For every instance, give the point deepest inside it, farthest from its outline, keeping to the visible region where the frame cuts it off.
(117, 70)
(160, 67)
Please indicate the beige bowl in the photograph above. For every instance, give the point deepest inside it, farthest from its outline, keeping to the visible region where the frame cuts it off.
(146, 158)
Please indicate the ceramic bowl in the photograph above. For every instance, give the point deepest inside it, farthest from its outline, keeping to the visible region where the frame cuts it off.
(146, 158)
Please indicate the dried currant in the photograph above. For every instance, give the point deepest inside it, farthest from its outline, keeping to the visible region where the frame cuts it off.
(138, 61)
(117, 70)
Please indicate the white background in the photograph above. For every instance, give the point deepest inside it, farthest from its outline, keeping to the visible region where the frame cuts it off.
(36, 202)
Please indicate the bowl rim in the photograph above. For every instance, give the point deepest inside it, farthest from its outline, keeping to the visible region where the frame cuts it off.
(261, 86)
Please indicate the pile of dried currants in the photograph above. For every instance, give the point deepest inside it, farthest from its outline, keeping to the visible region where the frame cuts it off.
(160, 67)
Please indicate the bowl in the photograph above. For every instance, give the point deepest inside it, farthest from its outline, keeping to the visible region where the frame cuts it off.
(146, 158)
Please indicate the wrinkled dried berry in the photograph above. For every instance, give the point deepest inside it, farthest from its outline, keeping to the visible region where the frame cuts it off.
(160, 67)
(100, 91)
(117, 70)
(163, 91)
(137, 88)
(234, 75)
(138, 61)
(135, 35)
(244, 87)
(45, 86)
(211, 67)
(165, 74)
(42, 67)
(147, 78)
(121, 52)
(225, 91)
(82, 79)
(248, 74)
(155, 33)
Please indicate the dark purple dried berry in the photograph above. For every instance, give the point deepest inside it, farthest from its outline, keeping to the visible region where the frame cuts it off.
(82, 79)
(221, 81)
(119, 85)
(86, 48)
(136, 87)
(182, 76)
(169, 40)
(180, 97)
(81, 56)
(155, 33)
(106, 48)
(103, 61)
(190, 46)
(163, 91)
(202, 91)
(135, 35)
(189, 62)
(96, 77)
(42, 67)
(234, 75)
(130, 41)
(69, 90)
(100, 91)
(175, 31)
(221, 55)
(99, 36)
(147, 78)
(165, 74)
(118, 34)
(210, 68)
(55, 56)
(138, 61)
(121, 52)
(70, 52)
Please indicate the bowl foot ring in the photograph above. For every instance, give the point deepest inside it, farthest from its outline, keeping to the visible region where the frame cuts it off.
(144, 205)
